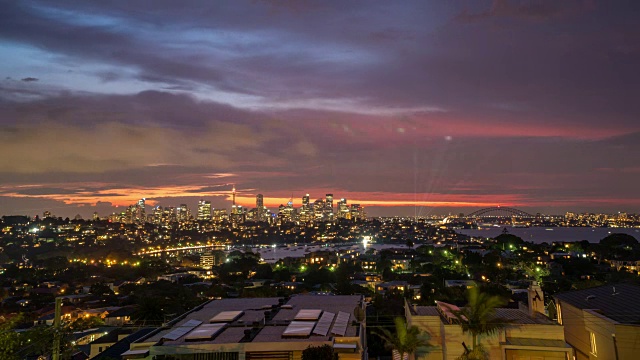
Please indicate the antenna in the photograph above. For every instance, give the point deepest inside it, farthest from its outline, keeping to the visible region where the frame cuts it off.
(234, 195)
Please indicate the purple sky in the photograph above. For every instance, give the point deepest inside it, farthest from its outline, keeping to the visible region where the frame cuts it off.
(406, 107)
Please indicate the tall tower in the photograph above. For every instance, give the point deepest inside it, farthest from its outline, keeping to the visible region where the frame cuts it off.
(140, 215)
(259, 207)
(234, 195)
(328, 207)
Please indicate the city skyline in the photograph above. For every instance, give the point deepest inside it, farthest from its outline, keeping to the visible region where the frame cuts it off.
(405, 108)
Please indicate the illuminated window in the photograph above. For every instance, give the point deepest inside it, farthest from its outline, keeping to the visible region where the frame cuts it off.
(559, 314)
(594, 349)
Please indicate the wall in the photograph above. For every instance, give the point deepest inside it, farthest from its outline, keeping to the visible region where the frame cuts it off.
(627, 342)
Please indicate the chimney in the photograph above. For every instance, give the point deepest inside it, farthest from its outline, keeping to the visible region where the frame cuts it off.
(536, 299)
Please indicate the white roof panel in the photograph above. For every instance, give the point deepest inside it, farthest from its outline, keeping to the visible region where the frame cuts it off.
(324, 324)
(180, 330)
(342, 321)
(226, 317)
(205, 332)
(299, 329)
(308, 314)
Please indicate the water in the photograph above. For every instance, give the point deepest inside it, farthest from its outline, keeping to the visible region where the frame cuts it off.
(539, 235)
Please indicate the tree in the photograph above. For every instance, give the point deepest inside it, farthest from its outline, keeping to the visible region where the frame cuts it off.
(406, 339)
(9, 339)
(323, 352)
(478, 318)
(85, 323)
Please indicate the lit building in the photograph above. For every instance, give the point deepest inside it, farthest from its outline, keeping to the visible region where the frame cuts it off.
(357, 212)
(328, 207)
(529, 334)
(204, 210)
(220, 215)
(238, 214)
(343, 209)
(260, 210)
(182, 213)
(140, 216)
(306, 212)
(601, 322)
(287, 213)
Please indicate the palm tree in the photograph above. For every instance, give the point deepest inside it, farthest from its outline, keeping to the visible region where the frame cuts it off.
(478, 317)
(406, 339)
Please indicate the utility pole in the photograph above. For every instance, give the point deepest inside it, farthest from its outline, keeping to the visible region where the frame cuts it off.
(56, 329)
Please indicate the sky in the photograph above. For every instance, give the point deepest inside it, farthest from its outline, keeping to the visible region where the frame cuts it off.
(406, 107)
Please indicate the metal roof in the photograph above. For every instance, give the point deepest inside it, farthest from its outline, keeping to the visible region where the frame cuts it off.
(619, 302)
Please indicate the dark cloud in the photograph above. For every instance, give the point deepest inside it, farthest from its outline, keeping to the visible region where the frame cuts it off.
(516, 100)
(29, 79)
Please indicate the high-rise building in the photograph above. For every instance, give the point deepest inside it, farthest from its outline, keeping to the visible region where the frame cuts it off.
(139, 215)
(220, 215)
(238, 214)
(328, 207)
(287, 212)
(306, 213)
(343, 209)
(317, 209)
(260, 210)
(357, 212)
(204, 210)
(157, 215)
(182, 213)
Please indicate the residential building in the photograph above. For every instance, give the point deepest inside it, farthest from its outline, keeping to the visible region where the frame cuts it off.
(602, 322)
(528, 335)
(259, 328)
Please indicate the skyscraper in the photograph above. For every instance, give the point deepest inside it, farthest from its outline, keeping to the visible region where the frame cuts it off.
(182, 213)
(259, 215)
(343, 210)
(328, 207)
(306, 213)
(204, 210)
(139, 213)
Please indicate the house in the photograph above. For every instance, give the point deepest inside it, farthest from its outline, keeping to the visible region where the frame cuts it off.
(629, 265)
(461, 283)
(528, 335)
(260, 328)
(369, 263)
(119, 317)
(321, 258)
(399, 285)
(602, 322)
(401, 262)
(106, 341)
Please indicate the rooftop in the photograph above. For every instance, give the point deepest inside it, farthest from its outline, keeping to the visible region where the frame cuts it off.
(231, 320)
(618, 302)
(516, 316)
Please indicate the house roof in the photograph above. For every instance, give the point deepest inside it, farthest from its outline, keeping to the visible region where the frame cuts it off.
(618, 302)
(252, 312)
(114, 351)
(123, 311)
(515, 316)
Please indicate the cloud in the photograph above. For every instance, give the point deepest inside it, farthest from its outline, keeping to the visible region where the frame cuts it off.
(29, 79)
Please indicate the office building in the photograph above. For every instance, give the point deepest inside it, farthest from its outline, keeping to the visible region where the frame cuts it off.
(204, 210)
